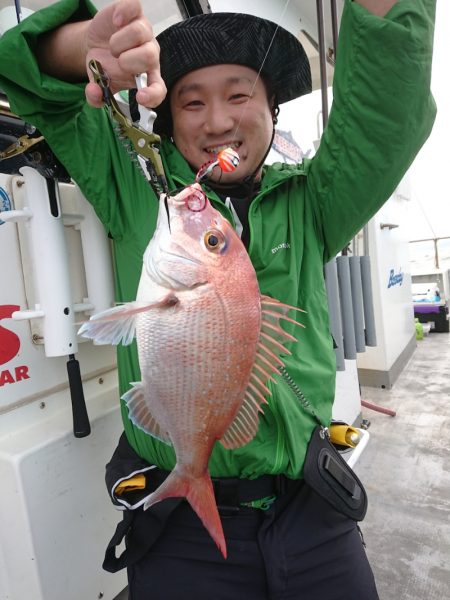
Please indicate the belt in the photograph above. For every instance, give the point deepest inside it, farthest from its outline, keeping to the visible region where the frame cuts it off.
(144, 528)
(232, 493)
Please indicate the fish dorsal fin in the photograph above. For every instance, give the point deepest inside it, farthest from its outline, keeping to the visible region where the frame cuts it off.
(267, 362)
(140, 415)
(118, 324)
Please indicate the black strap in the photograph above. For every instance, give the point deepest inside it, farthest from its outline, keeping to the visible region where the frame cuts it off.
(134, 108)
(226, 492)
(141, 530)
(232, 491)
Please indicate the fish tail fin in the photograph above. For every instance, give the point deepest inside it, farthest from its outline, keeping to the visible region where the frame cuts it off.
(199, 492)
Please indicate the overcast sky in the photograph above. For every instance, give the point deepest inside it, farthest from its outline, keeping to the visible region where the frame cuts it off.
(431, 169)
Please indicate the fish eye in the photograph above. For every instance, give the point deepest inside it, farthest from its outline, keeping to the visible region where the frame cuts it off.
(214, 240)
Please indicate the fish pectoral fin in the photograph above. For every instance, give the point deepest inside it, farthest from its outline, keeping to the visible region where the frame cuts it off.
(140, 414)
(118, 325)
(244, 425)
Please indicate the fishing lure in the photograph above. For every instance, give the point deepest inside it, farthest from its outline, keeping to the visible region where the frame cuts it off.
(227, 160)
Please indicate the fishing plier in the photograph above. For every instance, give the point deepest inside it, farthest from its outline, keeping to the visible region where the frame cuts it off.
(140, 135)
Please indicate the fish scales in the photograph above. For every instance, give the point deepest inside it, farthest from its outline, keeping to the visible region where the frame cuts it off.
(192, 357)
(208, 343)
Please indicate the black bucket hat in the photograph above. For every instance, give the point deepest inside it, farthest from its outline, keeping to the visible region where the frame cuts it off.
(233, 38)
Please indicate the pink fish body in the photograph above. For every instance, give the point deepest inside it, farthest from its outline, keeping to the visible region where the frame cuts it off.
(207, 343)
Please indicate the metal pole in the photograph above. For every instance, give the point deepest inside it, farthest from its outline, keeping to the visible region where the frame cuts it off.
(322, 61)
(334, 27)
(190, 8)
(436, 253)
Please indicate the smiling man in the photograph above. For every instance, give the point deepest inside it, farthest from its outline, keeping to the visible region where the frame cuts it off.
(218, 107)
(226, 74)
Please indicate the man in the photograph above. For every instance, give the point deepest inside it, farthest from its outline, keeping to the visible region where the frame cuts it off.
(283, 540)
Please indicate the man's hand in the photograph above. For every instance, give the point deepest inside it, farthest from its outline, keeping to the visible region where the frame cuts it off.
(121, 38)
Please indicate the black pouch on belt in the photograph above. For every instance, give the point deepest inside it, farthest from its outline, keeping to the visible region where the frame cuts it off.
(327, 473)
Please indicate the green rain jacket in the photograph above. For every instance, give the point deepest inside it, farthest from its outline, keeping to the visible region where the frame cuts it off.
(303, 216)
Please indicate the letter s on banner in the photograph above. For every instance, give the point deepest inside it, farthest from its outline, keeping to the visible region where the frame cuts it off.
(9, 341)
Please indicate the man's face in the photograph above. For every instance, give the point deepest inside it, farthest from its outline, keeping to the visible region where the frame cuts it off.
(218, 107)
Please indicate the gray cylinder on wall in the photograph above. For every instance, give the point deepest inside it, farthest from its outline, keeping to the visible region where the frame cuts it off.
(369, 313)
(334, 308)
(357, 302)
(345, 296)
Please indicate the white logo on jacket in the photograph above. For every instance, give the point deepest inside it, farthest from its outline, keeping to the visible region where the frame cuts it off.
(282, 246)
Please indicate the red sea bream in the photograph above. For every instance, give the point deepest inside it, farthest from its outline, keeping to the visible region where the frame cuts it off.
(208, 342)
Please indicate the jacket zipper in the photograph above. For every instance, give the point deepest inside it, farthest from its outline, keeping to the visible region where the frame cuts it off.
(299, 394)
(280, 426)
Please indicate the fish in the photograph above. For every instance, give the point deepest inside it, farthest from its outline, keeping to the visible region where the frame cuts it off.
(208, 343)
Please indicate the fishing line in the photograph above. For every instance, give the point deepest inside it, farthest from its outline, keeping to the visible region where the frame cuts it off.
(261, 67)
(426, 217)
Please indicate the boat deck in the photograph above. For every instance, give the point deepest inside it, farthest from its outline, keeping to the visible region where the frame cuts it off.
(406, 471)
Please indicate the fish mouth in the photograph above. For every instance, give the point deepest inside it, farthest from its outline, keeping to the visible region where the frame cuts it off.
(179, 252)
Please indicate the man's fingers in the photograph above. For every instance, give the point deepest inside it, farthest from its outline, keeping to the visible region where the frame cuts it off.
(137, 33)
(94, 95)
(152, 95)
(123, 42)
(126, 11)
(144, 59)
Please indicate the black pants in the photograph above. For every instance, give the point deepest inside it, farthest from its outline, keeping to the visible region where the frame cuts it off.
(300, 549)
